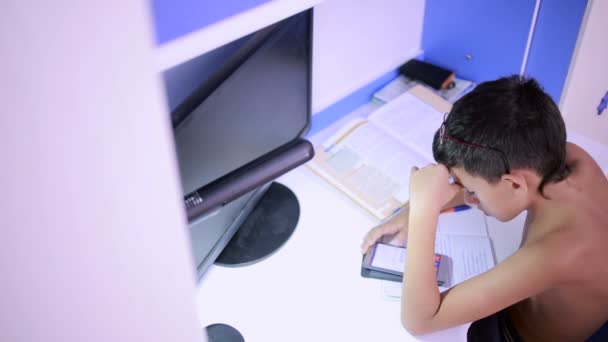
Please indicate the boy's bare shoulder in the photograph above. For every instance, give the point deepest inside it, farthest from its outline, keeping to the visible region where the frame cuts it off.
(570, 239)
(585, 189)
(575, 238)
(579, 160)
(554, 243)
(575, 151)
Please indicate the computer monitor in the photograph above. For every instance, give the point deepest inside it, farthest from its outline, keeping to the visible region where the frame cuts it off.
(239, 115)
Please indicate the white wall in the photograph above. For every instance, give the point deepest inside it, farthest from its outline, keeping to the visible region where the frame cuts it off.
(92, 230)
(355, 42)
(588, 76)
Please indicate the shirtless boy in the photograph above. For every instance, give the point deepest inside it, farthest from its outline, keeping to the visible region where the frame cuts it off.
(504, 145)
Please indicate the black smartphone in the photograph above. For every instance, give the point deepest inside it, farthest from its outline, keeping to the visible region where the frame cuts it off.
(390, 259)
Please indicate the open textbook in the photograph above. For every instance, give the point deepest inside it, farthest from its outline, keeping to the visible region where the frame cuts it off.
(463, 237)
(370, 159)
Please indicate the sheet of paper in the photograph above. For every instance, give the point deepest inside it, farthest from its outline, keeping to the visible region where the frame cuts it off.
(373, 184)
(411, 121)
(344, 160)
(380, 164)
(468, 222)
(394, 88)
(383, 151)
(391, 290)
(331, 141)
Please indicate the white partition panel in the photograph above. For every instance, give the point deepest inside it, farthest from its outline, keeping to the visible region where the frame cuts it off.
(355, 42)
(587, 80)
(93, 235)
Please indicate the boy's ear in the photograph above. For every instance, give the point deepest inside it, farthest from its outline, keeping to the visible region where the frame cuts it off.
(516, 181)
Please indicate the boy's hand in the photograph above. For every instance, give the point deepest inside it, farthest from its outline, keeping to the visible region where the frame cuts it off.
(430, 189)
(393, 232)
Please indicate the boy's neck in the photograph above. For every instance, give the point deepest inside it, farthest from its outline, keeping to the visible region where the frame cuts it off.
(544, 206)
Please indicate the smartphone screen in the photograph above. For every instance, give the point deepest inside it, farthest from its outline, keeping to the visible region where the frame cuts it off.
(388, 257)
(391, 259)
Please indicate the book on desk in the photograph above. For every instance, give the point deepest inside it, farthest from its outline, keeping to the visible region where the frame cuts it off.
(369, 160)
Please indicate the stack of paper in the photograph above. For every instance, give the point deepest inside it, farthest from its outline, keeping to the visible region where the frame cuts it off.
(401, 84)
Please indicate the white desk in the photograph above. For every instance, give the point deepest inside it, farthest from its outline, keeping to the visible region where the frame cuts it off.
(311, 289)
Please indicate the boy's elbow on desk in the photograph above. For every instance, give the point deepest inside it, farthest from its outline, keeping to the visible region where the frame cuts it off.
(415, 326)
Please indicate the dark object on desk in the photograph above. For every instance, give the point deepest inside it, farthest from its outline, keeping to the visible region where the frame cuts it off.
(223, 333)
(435, 76)
(265, 229)
(444, 276)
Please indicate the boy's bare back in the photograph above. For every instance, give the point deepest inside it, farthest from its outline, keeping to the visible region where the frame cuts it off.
(572, 231)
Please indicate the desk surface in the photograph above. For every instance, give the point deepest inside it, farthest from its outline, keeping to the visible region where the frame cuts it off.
(309, 290)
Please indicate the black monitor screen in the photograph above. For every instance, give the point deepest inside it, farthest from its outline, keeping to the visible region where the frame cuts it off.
(260, 105)
(252, 96)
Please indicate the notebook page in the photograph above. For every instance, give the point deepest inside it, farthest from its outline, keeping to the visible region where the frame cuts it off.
(467, 222)
(471, 255)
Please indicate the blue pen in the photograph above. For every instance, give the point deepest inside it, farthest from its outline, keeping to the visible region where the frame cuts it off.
(396, 212)
(456, 209)
(603, 104)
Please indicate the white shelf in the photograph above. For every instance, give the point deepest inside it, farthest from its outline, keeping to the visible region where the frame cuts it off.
(215, 35)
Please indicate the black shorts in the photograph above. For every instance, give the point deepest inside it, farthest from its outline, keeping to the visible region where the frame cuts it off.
(494, 328)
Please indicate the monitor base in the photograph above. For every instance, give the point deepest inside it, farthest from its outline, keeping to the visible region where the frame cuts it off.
(266, 229)
(223, 333)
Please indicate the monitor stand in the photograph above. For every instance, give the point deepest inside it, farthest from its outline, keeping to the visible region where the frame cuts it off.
(267, 228)
(223, 333)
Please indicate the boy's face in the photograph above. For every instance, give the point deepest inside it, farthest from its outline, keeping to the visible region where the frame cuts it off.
(494, 199)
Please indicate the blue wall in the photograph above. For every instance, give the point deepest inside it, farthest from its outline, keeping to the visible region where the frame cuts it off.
(494, 33)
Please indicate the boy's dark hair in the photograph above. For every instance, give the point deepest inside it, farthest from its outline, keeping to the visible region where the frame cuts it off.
(512, 115)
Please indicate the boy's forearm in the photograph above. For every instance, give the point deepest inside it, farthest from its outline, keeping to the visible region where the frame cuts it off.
(421, 298)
